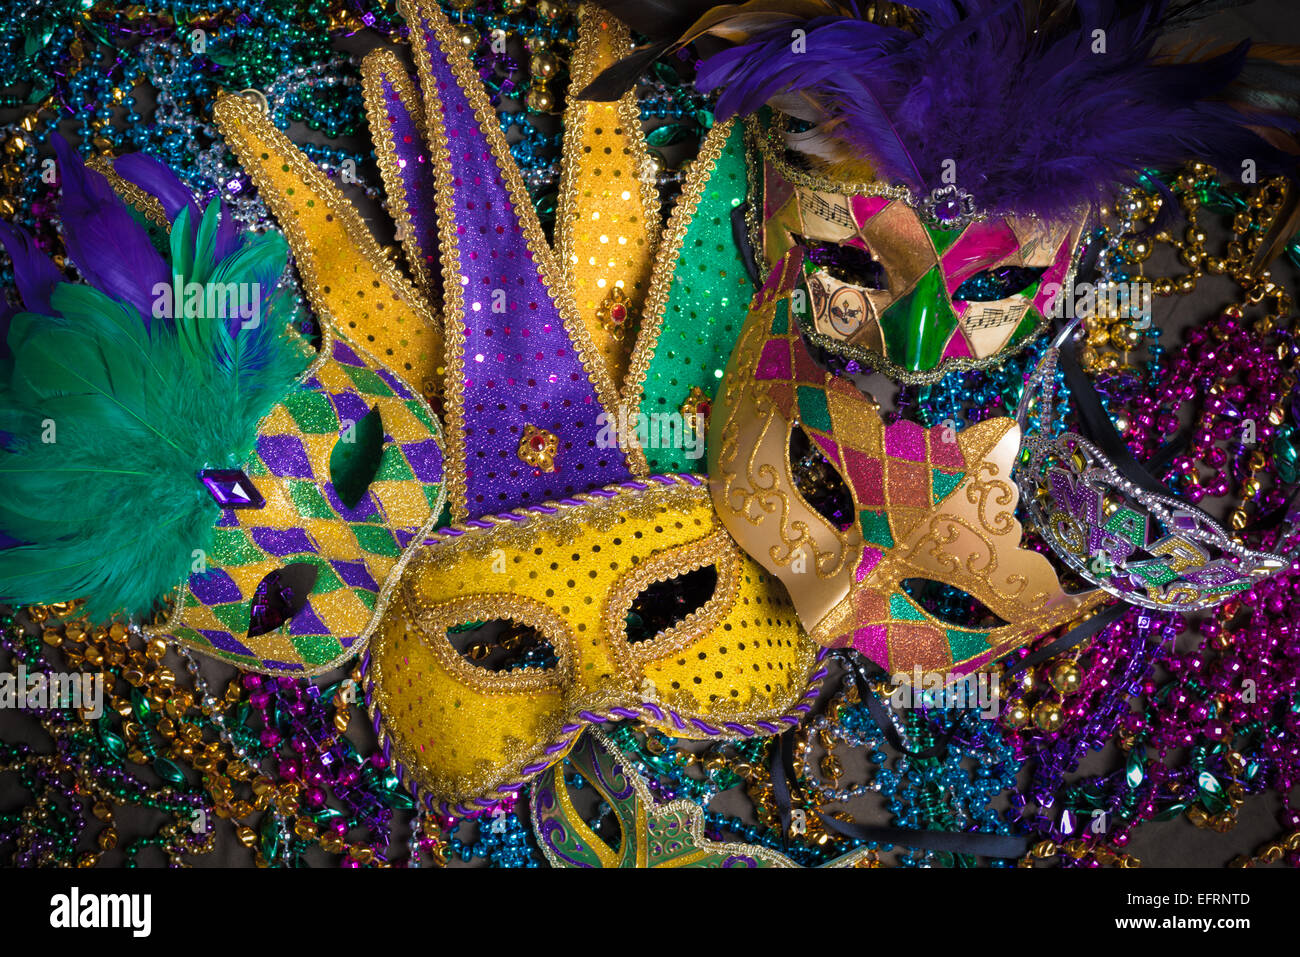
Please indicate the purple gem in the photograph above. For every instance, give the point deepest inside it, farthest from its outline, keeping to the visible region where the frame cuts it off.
(232, 488)
(1185, 521)
(949, 208)
(272, 606)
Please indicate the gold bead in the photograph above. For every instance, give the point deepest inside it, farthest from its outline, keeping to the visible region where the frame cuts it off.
(1066, 677)
(1016, 715)
(1048, 716)
(466, 35)
(543, 65)
(540, 100)
(1125, 337)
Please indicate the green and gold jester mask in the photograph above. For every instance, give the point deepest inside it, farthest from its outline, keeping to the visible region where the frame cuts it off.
(897, 291)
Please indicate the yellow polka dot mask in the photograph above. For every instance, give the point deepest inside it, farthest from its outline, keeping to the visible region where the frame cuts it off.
(579, 576)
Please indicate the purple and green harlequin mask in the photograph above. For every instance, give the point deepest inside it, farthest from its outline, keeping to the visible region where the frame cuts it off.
(914, 290)
(346, 474)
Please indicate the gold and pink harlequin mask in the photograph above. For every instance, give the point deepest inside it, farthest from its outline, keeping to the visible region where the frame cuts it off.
(891, 289)
(933, 505)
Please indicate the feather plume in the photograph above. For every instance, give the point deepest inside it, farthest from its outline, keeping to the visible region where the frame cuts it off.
(1036, 118)
(112, 507)
(104, 241)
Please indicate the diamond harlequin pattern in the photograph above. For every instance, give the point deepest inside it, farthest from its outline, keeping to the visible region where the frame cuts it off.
(303, 520)
(896, 478)
(912, 320)
(932, 504)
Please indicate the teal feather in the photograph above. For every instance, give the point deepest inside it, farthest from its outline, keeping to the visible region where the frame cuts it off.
(113, 509)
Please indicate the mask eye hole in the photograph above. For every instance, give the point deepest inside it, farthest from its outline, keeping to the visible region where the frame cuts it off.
(992, 285)
(667, 603)
(503, 646)
(845, 263)
(354, 462)
(279, 596)
(950, 604)
(818, 481)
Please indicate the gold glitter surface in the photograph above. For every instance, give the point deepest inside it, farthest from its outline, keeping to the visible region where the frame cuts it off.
(572, 575)
(347, 278)
(607, 221)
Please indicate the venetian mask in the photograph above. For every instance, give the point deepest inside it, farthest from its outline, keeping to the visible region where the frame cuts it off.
(633, 606)
(901, 290)
(650, 834)
(345, 477)
(909, 509)
(1113, 524)
(278, 487)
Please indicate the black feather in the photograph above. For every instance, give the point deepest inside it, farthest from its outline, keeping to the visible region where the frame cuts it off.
(616, 80)
(657, 19)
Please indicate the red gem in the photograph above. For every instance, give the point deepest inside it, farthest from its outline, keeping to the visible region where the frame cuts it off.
(618, 312)
(704, 408)
(538, 443)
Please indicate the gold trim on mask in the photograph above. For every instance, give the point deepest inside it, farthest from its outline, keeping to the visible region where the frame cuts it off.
(379, 67)
(146, 204)
(347, 278)
(607, 216)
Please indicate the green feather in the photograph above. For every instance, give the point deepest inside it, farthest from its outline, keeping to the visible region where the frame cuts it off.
(112, 507)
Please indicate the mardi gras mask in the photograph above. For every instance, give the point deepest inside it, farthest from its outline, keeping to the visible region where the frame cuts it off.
(938, 193)
(915, 506)
(1112, 522)
(278, 488)
(898, 291)
(650, 834)
(550, 356)
(345, 476)
(583, 577)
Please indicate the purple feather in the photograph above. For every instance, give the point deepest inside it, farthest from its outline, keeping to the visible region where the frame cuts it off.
(1036, 121)
(157, 179)
(34, 274)
(107, 245)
